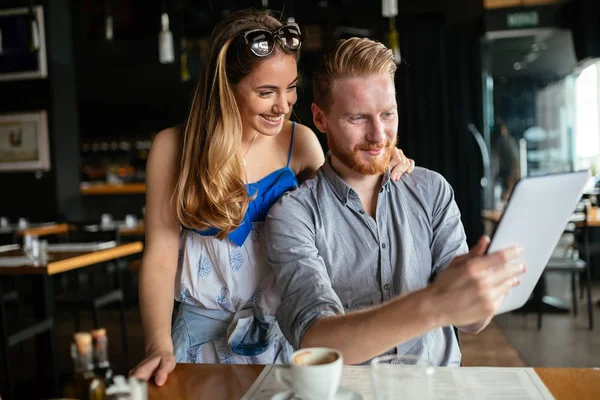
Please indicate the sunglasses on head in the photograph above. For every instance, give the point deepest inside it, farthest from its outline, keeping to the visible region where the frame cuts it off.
(262, 41)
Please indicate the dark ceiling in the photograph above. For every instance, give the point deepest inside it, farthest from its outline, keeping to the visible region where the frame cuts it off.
(542, 54)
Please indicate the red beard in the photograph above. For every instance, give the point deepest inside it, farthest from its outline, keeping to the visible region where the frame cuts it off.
(350, 157)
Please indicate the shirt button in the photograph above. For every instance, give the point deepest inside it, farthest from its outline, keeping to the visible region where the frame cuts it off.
(383, 245)
(387, 286)
(361, 211)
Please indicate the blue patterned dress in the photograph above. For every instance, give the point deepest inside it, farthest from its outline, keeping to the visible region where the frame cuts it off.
(226, 287)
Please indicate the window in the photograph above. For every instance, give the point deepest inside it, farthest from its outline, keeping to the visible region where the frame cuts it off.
(587, 119)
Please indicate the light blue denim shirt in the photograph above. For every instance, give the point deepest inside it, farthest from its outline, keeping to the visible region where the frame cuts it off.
(330, 257)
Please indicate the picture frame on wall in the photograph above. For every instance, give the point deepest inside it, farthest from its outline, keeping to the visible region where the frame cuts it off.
(24, 144)
(22, 44)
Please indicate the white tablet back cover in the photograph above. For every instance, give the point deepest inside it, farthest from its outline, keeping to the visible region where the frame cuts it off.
(535, 217)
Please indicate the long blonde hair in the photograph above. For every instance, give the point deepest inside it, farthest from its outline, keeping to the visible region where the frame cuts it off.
(210, 189)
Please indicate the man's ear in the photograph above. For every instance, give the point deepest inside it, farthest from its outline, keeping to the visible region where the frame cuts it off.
(319, 118)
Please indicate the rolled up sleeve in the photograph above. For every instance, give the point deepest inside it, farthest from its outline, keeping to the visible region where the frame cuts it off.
(302, 279)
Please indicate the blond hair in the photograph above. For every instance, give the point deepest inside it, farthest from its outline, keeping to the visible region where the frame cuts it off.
(210, 189)
(349, 58)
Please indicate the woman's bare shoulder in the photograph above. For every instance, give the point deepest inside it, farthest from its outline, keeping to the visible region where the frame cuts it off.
(165, 153)
(166, 145)
(307, 152)
(168, 139)
(306, 140)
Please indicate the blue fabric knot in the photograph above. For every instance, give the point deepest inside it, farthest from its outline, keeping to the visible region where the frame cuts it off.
(249, 332)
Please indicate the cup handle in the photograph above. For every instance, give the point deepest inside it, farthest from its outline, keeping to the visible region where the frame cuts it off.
(282, 374)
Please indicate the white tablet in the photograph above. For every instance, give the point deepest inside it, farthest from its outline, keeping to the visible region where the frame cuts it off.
(535, 217)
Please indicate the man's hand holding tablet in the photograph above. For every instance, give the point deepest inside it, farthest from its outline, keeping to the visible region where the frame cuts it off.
(471, 289)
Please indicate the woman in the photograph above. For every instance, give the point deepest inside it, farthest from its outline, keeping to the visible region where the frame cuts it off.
(208, 190)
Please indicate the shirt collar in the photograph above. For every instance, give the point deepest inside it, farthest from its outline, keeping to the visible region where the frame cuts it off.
(341, 189)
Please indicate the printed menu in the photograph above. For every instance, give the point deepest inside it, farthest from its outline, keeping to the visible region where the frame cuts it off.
(449, 383)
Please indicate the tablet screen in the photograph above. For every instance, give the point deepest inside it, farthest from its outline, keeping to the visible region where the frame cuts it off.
(535, 217)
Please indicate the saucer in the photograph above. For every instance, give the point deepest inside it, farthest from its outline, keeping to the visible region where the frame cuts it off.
(341, 394)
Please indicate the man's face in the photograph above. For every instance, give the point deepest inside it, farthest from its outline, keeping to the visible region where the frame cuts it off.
(362, 122)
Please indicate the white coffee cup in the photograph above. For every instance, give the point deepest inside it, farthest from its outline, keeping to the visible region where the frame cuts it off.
(314, 373)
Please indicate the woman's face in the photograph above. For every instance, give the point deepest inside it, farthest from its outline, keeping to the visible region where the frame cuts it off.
(267, 94)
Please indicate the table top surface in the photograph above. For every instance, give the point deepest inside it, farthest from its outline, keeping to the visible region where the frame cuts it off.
(68, 260)
(136, 229)
(593, 218)
(12, 228)
(209, 381)
(53, 228)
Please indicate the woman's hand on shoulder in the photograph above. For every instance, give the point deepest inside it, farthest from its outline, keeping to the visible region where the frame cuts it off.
(157, 364)
(400, 164)
(307, 153)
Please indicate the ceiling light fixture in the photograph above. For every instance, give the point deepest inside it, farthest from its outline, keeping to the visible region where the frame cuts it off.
(389, 9)
(166, 52)
(108, 22)
(34, 30)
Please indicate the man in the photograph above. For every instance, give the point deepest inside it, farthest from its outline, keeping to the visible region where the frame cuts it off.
(354, 252)
(505, 159)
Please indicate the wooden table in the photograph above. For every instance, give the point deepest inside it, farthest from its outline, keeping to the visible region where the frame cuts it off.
(17, 231)
(124, 230)
(47, 229)
(43, 304)
(68, 260)
(88, 189)
(593, 217)
(207, 381)
(138, 230)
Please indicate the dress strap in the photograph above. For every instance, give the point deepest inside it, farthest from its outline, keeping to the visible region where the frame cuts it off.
(291, 143)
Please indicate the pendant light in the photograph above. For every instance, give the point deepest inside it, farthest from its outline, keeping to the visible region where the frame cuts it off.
(184, 70)
(389, 9)
(166, 52)
(265, 6)
(291, 19)
(108, 22)
(34, 31)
